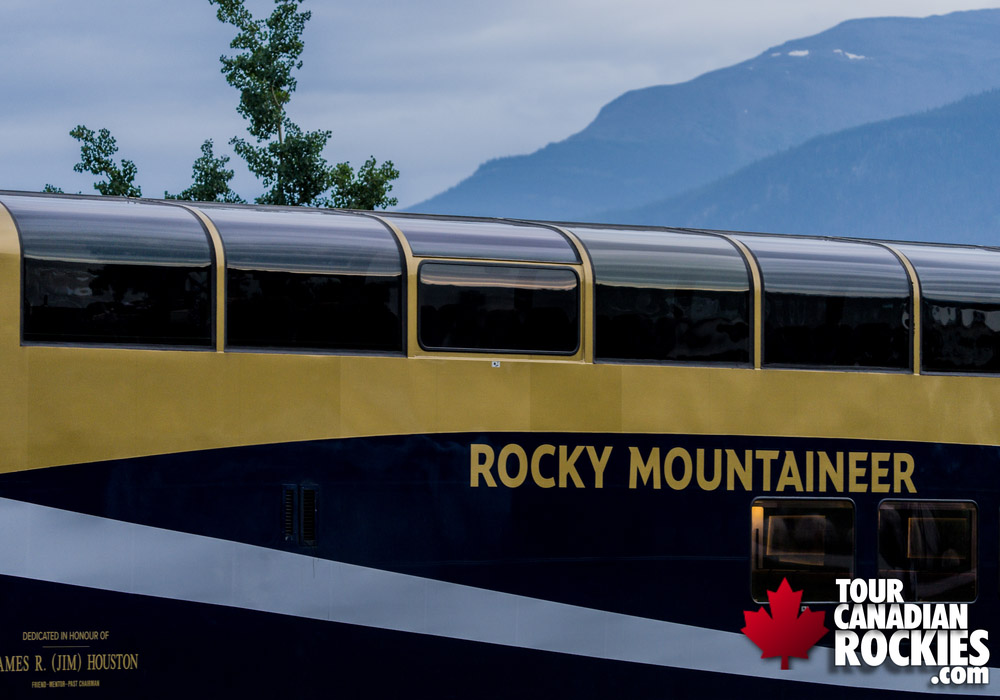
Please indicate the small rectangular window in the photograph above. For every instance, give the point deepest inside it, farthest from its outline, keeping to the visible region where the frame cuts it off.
(931, 547)
(808, 541)
(499, 308)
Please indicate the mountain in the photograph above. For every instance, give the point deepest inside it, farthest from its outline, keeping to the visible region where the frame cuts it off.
(659, 141)
(933, 176)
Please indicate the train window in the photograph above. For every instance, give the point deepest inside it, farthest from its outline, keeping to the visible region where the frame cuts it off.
(960, 307)
(832, 303)
(930, 546)
(102, 270)
(808, 541)
(501, 308)
(483, 239)
(668, 296)
(310, 280)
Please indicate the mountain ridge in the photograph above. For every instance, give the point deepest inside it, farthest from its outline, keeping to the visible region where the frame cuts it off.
(725, 119)
(931, 176)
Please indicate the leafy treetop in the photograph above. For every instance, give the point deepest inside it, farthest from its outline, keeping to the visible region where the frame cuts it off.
(96, 152)
(288, 160)
(211, 179)
(262, 72)
(369, 190)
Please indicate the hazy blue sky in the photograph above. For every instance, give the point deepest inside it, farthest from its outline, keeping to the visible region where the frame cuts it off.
(438, 86)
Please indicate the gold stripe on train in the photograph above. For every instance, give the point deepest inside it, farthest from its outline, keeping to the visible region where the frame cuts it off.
(68, 405)
(65, 405)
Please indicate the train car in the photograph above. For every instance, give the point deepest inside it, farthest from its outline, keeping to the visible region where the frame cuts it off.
(258, 451)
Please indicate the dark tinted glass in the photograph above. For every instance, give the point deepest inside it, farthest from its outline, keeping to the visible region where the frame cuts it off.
(291, 310)
(832, 303)
(486, 240)
(78, 302)
(105, 270)
(666, 295)
(930, 546)
(498, 307)
(310, 280)
(671, 325)
(960, 310)
(808, 541)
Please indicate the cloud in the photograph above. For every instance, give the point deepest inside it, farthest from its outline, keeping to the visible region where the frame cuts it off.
(437, 86)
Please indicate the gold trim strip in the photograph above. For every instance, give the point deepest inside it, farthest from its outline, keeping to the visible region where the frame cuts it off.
(220, 277)
(758, 313)
(587, 308)
(412, 347)
(915, 285)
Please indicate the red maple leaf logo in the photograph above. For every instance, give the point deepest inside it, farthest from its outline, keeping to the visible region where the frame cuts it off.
(784, 632)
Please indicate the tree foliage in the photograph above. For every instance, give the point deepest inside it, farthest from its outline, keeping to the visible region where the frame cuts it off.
(368, 190)
(288, 160)
(96, 157)
(294, 168)
(211, 179)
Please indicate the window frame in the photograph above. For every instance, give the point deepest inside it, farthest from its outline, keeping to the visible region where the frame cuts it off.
(574, 230)
(525, 354)
(974, 556)
(828, 499)
(747, 240)
(212, 265)
(292, 350)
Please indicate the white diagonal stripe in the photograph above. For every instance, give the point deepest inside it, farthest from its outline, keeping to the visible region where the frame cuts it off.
(50, 544)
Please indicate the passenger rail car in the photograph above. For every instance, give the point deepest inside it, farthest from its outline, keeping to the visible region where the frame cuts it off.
(252, 450)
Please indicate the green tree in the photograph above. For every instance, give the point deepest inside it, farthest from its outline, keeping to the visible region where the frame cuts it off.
(211, 179)
(288, 160)
(52, 189)
(368, 190)
(96, 152)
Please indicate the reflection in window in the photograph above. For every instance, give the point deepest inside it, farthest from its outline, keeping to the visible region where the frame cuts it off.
(836, 331)
(960, 337)
(498, 307)
(931, 547)
(81, 302)
(808, 541)
(679, 325)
